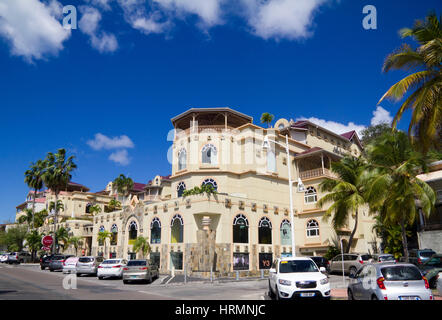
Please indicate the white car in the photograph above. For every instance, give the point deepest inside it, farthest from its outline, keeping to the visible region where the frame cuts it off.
(111, 268)
(4, 257)
(439, 283)
(70, 265)
(298, 278)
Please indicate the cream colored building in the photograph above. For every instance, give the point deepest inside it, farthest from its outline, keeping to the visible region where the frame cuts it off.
(247, 223)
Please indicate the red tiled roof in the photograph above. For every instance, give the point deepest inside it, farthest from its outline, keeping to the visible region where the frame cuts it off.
(349, 135)
(300, 124)
(138, 186)
(40, 200)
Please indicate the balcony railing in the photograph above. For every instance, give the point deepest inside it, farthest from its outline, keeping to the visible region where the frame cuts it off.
(314, 173)
(205, 129)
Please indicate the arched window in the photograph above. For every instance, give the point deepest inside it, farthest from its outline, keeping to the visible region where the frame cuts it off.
(101, 229)
(88, 207)
(240, 229)
(310, 195)
(114, 238)
(211, 182)
(180, 189)
(286, 233)
(209, 154)
(271, 160)
(155, 231)
(182, 159)
(133, 230)
(312, 228)
(177, 228)
(265, 231)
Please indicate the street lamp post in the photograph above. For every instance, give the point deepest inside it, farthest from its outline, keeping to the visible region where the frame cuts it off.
(265, 145)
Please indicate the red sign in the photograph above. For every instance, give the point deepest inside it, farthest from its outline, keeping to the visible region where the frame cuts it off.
(47, 241)
(45, 248)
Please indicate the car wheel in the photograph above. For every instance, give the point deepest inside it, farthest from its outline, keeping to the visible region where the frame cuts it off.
(51, 270)
(100, 278)
(352, 271)
(78, 275)
(42, 268)
(350, 295)
(271, 293)
(373, 297)
(125, 281)
(277, 297)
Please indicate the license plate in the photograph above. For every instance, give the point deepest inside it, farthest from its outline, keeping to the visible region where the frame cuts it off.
(134, 277)
(409, 298)
(308, 294)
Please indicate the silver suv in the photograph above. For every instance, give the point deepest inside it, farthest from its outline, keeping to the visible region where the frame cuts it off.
(352, 262)
(389, 281)
(88, 265)
(19, 257)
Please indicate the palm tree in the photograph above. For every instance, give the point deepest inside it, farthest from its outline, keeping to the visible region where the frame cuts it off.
(57, 176)
(33, 239)
(426, 81)
(267, 118)
(347, 193)
(102, 237)
(123, 185)
(40, 217)
(142, 244)
(93, 210)
(60, 206)
(76, 242)
(394, 190)
(34, 180)
(113, 205)
(27, 218)
(62, 235)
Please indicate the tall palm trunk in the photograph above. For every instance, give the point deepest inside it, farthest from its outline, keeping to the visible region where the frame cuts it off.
(33, 209)
(350, 240)
(404, 240)
(54, 244)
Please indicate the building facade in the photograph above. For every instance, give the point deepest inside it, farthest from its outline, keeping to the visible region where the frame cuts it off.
(247, 223)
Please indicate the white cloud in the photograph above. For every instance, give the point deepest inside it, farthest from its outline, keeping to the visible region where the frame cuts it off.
(121, 157)
(335, 127)
(89, 23)
(104, 142)
(281, 19)
(380, 115)
(209, 11)
(31, 28)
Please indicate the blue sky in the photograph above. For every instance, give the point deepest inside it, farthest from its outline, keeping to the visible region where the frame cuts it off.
(132, 65)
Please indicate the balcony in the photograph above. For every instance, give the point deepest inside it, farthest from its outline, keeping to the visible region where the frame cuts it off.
(315, 173)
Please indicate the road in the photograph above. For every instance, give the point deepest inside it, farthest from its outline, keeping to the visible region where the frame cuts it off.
(29, 282)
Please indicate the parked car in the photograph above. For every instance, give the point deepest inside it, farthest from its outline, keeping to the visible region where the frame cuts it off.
(389, 281)
(383, 257)
(45, 260)
(298, 277)
(321, 262)
(352, 262)
(4, 257)
(70, 265)
(111, 268)
(88, 265)
(57, 262)
(439, 283)
(19, 257)
(140, 270)
(419, 256)
(431, 268)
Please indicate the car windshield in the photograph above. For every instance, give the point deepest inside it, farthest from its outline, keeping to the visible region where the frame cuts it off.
(387, 258)
(111, 261)
(365, 257)
(427, 254)
(291, 266)
(401, 273)
(85, 260)
(58, 258)
(136, 263)
(435, 262)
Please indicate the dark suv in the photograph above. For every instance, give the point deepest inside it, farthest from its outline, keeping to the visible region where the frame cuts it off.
(419, 256)
(57, 261)
(45, 260)
(321, 262)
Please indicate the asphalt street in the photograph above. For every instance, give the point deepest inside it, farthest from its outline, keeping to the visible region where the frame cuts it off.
(29, 282)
